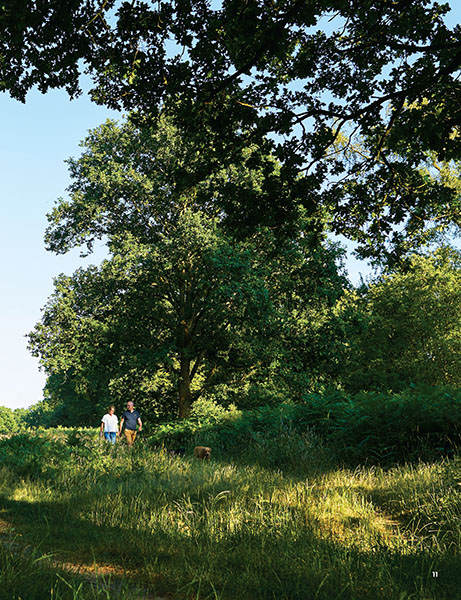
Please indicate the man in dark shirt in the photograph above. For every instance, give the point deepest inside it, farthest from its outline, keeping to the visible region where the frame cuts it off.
(132, 419)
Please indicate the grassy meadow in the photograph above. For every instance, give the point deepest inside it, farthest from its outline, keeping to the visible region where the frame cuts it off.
(80, 520)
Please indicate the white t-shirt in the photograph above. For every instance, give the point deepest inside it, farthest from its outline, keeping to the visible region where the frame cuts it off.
(110, 423)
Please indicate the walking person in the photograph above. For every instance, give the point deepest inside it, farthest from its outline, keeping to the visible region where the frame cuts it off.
(131, 418)
(109, 425)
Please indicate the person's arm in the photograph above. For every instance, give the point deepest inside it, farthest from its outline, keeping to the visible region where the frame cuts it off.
(140, 423)
(121, 425)
(101, 429)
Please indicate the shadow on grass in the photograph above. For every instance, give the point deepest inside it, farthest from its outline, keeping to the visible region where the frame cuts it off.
(252, 561)
(71, 555)
(26, 573)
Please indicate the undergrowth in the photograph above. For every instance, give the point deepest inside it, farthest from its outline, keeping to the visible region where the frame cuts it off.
(370, 427)
(244, 526)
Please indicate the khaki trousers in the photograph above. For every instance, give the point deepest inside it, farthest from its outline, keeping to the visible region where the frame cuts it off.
(130, 435)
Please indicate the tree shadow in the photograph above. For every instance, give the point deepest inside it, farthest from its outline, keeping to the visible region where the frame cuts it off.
(248, 559)
(104, 559)
(28, 572)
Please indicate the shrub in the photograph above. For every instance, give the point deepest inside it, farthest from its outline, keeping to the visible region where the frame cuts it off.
(41, 453)
(368, 427)
(33, 455)
(417, 423)
(208, 410)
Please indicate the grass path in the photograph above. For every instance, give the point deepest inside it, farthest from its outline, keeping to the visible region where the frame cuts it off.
(225, 530)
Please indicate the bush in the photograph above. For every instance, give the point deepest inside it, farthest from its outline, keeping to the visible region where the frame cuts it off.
(33, 455)
(41, 453)
(417, 423)
(368, 427)
(208, 410)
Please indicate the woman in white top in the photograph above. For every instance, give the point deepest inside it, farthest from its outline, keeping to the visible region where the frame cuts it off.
(109, 425)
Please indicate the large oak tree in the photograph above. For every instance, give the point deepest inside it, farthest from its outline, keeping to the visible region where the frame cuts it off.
(183, 303)
(157, 320)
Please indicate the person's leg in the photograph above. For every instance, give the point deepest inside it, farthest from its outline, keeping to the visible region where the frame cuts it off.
(107, 436)
(113, 437)
(130, 436)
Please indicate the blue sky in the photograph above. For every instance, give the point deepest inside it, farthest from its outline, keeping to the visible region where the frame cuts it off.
(36, 138)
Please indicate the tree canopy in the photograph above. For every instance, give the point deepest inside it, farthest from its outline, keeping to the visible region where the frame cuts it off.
(301, 72)
(183, 303)
(253, 129)
(162, 318)
(405, 327)
(138, 179)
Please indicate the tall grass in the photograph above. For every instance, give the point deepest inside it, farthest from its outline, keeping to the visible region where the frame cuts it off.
(227, 529)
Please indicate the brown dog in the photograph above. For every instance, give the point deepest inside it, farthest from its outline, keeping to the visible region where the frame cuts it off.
(202, 452)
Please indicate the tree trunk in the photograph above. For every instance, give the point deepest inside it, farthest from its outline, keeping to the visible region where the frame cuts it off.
(185, 397)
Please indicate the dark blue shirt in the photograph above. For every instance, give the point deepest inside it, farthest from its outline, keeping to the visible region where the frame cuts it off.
(131, 419)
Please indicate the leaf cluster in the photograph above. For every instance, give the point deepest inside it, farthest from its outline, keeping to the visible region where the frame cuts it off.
(290, 75)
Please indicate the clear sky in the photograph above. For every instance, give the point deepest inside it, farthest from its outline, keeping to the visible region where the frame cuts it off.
(35, 139)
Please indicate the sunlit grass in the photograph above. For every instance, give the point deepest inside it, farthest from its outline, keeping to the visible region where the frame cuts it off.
(227, 530)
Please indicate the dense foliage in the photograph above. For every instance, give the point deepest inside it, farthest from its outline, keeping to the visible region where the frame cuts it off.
(404, 327)
(163, 318)
(368, 427)
(184, 305)
(381, 74)
(401, 330)
(192, 315)
(9, 420)
(253, 131)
